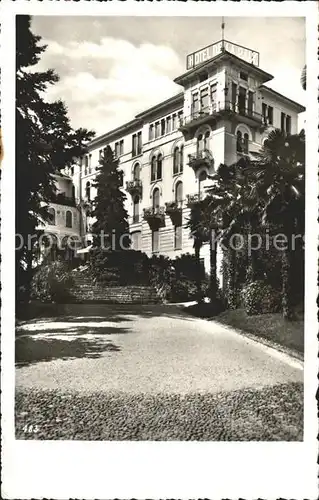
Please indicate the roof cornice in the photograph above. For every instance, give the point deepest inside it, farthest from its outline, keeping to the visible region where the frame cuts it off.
(219, 58)
(299, 107)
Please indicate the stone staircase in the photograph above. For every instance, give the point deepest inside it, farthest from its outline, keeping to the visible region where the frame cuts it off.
(85, 290)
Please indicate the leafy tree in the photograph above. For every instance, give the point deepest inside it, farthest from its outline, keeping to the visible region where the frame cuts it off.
(110, 229)
(45, 143)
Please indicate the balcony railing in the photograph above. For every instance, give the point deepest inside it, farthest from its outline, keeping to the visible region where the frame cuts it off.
(200, 158)
(62, 199)
(155, 216)
(134, 187)
(220, 108)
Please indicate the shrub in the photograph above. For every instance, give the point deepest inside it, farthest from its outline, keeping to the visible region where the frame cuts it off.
(119, 267)
(183, 290)
(260, 298)
(51, 282)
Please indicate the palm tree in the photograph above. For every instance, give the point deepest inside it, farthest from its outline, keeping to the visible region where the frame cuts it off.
(279, 178)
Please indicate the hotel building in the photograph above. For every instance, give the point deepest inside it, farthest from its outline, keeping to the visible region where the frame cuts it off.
(225, 110)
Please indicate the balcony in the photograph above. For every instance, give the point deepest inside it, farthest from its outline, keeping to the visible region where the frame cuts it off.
(174, 210)
(219, 110)
(201, 158)
(193, 199)
(62, 199)
(155, 216)
(134, 187)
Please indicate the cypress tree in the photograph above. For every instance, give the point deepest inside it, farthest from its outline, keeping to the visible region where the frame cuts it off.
(110, 229)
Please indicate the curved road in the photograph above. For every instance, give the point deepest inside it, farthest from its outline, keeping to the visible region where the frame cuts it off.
(150, 360)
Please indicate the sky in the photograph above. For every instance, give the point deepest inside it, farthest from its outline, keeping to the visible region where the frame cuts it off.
(113, 67)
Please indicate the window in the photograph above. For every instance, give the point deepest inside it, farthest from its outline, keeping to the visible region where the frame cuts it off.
(174, 121)
(213, 95)
(180, 117)
(163, 126)
(157, 130)
(246, 143)
(86, 164)
(239, 147)
(88, 191)
(282, 122)
(159, 166)
(206, 140)
(181, 159)
(250, 103)
(51, 213)
(151, 132)
(195, 103)
(204, 99)
(136, 209)
(119, 148)
(137, 144)
(72, 171)
(156, 199)
(233, 95)
(68, 218)
(136, 172)
(288, 124)
(200, 143)
(155, 241)
(90, 163)
(134, 145)
(168, 124)
(179, 193)
(242, 100)
(100, 154)
(270, 115)
(153, 169)
(177, 237)
(176, 161)
(243, 76)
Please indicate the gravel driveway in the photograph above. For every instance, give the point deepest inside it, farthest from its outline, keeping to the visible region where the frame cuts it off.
(152, 372)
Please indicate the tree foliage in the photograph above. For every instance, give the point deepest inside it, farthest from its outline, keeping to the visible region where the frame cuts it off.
(45, 142)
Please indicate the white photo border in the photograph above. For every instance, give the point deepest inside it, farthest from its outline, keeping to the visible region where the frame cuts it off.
(64, 469)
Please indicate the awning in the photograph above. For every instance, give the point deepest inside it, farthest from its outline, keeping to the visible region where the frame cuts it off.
(84, 250)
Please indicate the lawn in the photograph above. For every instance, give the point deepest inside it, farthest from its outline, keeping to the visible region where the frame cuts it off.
(272, 327)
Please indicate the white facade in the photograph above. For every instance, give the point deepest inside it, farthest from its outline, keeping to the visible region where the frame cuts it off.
(224, 110)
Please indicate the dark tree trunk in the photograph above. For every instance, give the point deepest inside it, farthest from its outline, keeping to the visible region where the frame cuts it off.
(232, 281)
(213, 269)
(199, 274)
(287, 271)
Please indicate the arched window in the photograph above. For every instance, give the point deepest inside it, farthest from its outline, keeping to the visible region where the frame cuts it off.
(88, 191)
(201, 179)
(136, 173)
(136, 209)
(159, 166)
(200, 143)
(245, 143)
(179, 193)
(176, 161)
(206, 139)
(239, 147)
(51, 212)
(156, 199)
(153, 169)
(181, 159)
(68, 218)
